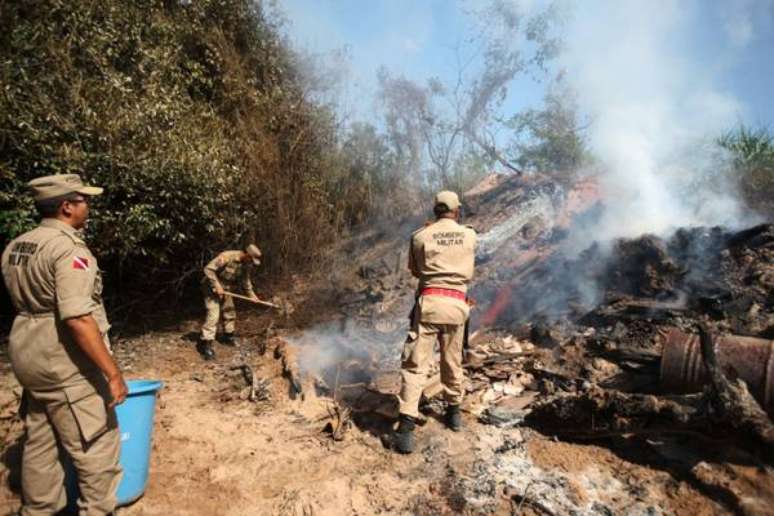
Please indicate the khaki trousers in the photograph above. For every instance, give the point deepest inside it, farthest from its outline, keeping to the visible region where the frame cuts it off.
(78, 420)
(417, 353)
(216, 308)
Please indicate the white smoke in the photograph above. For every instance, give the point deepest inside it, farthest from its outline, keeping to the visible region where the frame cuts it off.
(655, 107)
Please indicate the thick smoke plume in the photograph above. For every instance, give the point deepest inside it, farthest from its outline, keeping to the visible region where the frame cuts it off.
(655, 108)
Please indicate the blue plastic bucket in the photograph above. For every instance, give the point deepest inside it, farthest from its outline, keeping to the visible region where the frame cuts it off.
(135, 422)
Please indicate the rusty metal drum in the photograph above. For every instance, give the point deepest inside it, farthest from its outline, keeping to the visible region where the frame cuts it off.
(748, 358)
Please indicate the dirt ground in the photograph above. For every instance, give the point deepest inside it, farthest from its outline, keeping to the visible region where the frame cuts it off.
(215, 452)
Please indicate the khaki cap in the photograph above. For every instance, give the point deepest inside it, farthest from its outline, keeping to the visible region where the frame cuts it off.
(48, 187)
(254, 253)
(448, 198)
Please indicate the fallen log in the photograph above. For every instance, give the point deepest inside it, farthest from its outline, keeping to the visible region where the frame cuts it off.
(499, 358)
(290, 368)
(600, 410)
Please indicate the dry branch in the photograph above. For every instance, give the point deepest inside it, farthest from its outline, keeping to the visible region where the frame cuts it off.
(732, 400)
(340, 421)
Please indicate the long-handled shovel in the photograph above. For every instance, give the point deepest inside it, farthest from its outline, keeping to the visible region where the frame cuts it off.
(285, 308)
(256, 301)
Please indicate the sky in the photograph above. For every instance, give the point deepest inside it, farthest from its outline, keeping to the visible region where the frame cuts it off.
(657, 81)
(727, 42)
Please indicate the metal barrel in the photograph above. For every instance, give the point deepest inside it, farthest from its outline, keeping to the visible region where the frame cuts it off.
(748, 358)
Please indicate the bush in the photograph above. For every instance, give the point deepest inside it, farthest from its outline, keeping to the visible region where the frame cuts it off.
(751, 154)
(192, 117)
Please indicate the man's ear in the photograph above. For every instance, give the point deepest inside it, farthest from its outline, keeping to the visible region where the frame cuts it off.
(65, 209)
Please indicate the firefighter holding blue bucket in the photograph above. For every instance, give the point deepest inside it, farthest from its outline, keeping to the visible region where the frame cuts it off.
(60, 354)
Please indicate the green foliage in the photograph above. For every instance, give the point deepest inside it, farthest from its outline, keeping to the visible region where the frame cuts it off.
(550, 139)
(191, 116)
(365, 180)
(751, 156)
(17, 214)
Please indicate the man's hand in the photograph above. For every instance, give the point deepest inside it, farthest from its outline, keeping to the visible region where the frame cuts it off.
(252, 296)
(118, 390)
(219, 291)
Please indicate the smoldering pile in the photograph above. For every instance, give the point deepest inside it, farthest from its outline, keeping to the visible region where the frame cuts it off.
(557, 334)
(616, 330)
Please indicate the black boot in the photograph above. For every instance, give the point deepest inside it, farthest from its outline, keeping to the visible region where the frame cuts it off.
(404, 436)
(453, 418)
(204, 347)
(229, 339)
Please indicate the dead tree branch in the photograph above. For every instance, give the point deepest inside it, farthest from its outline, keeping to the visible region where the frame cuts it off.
(732, 400)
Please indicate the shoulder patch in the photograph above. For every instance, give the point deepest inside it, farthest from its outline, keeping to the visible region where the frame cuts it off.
(81, 263)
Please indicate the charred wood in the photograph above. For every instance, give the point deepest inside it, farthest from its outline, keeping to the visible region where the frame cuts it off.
(732, 401)
(290, 368)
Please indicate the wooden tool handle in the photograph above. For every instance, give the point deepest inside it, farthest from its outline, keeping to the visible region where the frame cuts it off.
(256, 301)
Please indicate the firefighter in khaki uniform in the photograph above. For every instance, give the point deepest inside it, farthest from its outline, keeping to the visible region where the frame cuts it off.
(225, 272)
(60, 354)
(441, 256)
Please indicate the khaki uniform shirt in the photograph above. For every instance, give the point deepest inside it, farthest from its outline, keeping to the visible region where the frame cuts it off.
(228, 271)
(51, 276)
(442, 255)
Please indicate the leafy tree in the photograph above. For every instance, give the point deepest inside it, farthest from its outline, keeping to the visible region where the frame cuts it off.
(437, 127)
(550, 139)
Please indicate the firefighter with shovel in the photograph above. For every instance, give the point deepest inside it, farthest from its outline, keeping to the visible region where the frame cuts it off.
(222, 276)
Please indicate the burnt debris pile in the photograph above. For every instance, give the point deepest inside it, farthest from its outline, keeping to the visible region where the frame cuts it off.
(575, 337)
(727, 277)
(609, 337)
